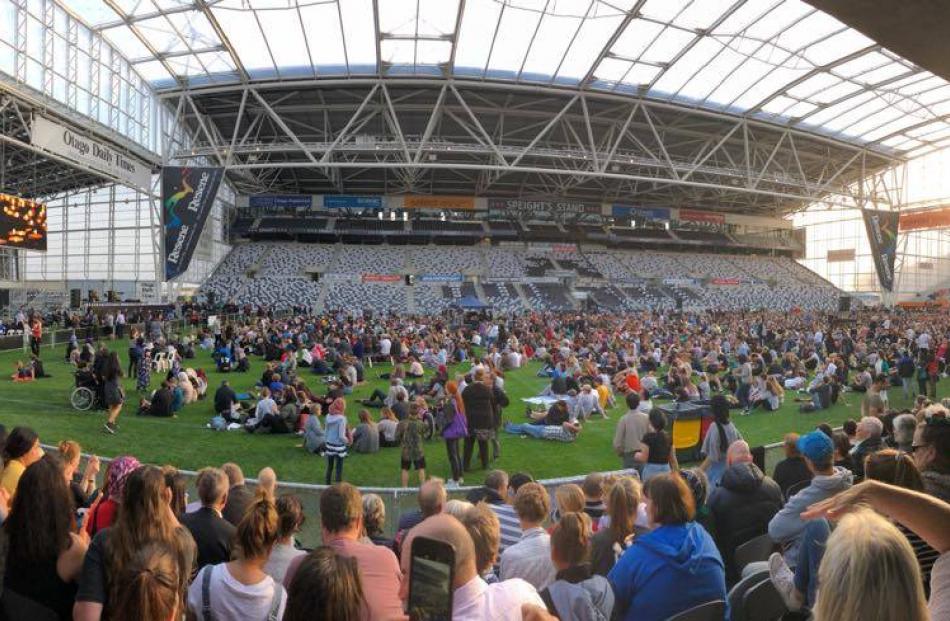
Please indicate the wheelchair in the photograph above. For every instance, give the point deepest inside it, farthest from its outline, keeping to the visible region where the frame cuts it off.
(86, 393)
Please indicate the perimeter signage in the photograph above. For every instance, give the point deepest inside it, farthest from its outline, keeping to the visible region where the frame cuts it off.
(187, 197)
(95, 154)
(525, 206)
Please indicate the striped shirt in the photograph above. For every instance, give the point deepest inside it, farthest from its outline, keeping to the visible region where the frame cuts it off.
(926, 556)
(510, 526)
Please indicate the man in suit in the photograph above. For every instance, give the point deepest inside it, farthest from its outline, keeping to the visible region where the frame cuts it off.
(239, 496)
(212, 533)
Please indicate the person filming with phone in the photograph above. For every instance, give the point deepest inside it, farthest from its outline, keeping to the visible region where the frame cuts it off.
(441, 581)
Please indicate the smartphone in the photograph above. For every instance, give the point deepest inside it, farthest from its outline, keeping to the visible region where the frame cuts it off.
(431, 573)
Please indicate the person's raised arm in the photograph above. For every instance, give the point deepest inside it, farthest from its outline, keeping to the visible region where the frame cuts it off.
(926, 515)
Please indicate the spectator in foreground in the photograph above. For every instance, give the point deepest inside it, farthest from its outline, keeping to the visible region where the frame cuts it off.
(290, 519)
(742, 506)
(341, 519)
(787, 525)
(431, 499)
(576, 593)
(240, 589)
(145, 519)
(792, 470)
(717, 441)
(326, 586)
(483, 527)
(869, 432)
(21, 450)
(213, 534)
(239, 496)
(609, 542)
(593, 488)
(102, 512)
(149, 586)
(530, 558)
(496, 492)
(472, 599)
(672, 568)
(374, 520)
(631, 428)
(44, 554)
(932, 453)
(869, 572)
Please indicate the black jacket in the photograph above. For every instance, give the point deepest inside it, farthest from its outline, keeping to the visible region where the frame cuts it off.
(742, 506)
(213, 536)
(224, 397)
(865, 448)
(479, 406)
(790, 471)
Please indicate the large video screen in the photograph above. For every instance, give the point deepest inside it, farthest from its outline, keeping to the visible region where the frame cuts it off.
(22, 223)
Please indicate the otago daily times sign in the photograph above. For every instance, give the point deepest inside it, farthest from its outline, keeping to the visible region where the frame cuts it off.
(187, 197)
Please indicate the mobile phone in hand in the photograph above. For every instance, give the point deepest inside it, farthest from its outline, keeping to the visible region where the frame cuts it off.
(431, 573)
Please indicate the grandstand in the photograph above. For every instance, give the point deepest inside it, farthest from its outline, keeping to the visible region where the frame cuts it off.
(683, 263)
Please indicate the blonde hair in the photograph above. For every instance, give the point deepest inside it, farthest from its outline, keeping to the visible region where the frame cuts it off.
(569, 498)
(623, 501)
(869, 572)
(70, 451)
(457, 508)
(570, 540)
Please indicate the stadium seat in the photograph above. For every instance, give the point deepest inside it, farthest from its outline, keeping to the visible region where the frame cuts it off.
(710, 611)
(15, 607)
(763, 603)
(756, 549)
(737, 594)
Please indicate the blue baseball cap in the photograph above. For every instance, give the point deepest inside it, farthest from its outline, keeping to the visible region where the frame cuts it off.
(816, 446)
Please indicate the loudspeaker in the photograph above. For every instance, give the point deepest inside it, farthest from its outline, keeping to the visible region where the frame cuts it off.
(4, 298)
(93, 295)
(111, 296)
(410, 279)
(844, 304)
(315, 276)
(75, 298)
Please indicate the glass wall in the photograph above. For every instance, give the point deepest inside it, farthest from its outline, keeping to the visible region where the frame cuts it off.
(838, 229)
(44, 47)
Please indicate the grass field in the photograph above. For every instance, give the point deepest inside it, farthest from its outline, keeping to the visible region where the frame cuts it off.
(186, 443)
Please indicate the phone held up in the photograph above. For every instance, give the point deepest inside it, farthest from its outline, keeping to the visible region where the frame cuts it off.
(431, 573)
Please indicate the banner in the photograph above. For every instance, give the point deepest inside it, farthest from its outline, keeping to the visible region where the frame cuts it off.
(381, 278)
(439, 278)
(541, 206)
(929, 219)
(704, 217)
(680, 281)
(340, 201)
(840, 256)
(447, 203)
(187, 196)
(725, 281)
(653, 214)
(90, 152)
(281, 201)
(882, 234)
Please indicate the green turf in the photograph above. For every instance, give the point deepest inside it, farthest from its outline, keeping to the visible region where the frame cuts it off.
(186, 443)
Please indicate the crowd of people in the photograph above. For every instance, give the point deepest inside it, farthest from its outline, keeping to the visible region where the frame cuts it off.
(648, 544)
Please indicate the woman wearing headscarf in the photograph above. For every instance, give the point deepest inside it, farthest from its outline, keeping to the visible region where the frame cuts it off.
(102, 512)
(456, 428)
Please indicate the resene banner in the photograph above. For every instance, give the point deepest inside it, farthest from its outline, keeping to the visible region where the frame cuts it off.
(187, 196)
(882, 235)
(703, 217)
(339, 201)
(381, 278)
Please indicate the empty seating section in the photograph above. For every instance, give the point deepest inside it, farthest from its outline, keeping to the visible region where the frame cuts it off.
(296, 259)
(712, 237)
(450, 226)
(640, 233)
(369, 225)
(369, 260)
(359, 296)
(445, 259)
(298, 224)
(276, 274)
(548, 296)
(502, 297)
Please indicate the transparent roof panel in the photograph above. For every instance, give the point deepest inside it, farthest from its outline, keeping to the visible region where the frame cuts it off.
(780, 60)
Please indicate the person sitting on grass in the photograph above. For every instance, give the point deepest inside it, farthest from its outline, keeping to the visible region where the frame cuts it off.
(159, 405)
(565, 432)
(23, 373)
(410, 434)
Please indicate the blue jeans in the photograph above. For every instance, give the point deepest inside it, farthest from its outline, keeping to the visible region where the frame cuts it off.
(651, 470)
(535, 431)
(810, 552)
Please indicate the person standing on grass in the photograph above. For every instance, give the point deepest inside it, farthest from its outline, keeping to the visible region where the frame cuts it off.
(112, 390)
(410, 434)
(456, 428)
(337, 439)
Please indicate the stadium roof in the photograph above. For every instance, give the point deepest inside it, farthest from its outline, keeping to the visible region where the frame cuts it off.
(781, 61)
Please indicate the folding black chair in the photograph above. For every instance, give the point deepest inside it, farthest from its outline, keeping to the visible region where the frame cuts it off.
(763, 603)
(710, 611)
(756, 549)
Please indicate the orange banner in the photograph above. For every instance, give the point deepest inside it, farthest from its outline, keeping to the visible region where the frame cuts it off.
(448, 203)
(931, 219)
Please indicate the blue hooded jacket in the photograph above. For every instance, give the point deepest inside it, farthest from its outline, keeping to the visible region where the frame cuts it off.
(667, 571)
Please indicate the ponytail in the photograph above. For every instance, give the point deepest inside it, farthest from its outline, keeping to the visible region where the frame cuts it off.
(570, 540)
(150, 587)
(258, 530)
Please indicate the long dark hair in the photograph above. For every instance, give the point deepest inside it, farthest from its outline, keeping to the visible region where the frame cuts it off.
(42, 515)
(113, 368)
(720, 411)
(19, 443)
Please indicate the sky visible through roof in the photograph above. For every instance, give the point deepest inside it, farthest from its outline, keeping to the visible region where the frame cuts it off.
(777, 60)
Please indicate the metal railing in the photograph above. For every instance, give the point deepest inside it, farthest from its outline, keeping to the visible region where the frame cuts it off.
(397, 500)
